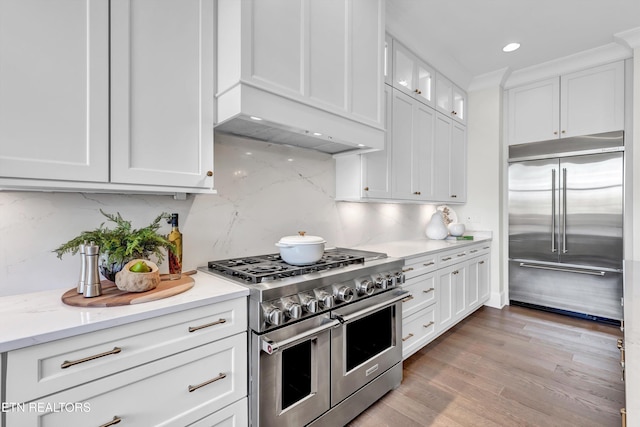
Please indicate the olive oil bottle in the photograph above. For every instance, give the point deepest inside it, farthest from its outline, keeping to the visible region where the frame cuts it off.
(175, 259)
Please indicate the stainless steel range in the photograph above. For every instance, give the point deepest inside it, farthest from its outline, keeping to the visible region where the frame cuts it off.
(325, 338)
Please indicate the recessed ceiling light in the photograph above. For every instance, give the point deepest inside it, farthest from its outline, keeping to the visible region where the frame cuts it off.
(317, 134)
(255, 118)
(511, 47)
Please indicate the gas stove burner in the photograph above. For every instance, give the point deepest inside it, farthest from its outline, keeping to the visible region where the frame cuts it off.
(266, 269)
(257, 269)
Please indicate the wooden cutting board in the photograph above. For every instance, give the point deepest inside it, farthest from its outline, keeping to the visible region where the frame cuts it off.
(112, 296)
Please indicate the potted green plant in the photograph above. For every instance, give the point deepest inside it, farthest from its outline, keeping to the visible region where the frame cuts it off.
(122, 243)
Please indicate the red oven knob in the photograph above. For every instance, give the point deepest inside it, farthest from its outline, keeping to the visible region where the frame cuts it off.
(364, 287)
(344, 294)
(273, 316)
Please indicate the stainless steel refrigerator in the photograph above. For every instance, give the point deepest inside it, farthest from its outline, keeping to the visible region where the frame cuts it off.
(565, 225)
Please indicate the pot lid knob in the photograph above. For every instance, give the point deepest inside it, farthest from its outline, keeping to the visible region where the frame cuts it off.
(302, 233)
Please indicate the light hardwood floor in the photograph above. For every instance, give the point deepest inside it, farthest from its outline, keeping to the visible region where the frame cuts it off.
(509, 367)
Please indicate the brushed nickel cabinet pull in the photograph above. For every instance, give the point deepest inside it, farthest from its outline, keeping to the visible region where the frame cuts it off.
(68, 363)
(366, 188)
(429, 324)
(462, 254)
(407, 269)
(481, 262)
(212, 380)
(453, 196)
(429, 264)
(197, 328)
(429, 290)
(417, 193)
(407, 337)
(409, 298)
(446, 259)
(486, 247)
(114, 421)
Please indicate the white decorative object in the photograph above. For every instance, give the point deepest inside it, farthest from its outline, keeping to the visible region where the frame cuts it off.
(436, 229)
(456, 229)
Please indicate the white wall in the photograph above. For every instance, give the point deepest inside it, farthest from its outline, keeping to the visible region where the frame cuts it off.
(272, 192)
(483, 210)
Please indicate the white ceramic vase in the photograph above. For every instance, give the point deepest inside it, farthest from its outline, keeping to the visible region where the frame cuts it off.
(436, 229)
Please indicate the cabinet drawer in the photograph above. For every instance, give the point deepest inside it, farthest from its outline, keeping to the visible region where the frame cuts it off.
(423, 291)
(478, 250)
(417, 330)
(236, 415)
(452, 257)
(416, 266)
(47, 368)
(173, 391)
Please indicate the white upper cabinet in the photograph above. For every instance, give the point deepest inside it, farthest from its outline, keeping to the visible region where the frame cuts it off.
(450, 99)
(313, 68)
(450, 163)
(162, 75)
(54, 90)
(107, 96)
(413, 159)
(412, 76)
(581, 103)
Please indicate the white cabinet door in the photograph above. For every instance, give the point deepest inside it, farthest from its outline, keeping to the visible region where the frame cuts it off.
(484, 281)
(446, 290)
(534, 112)
(592, 101)
(581, 103)
(450, 160)
(412, 148)
(376, 166)
(162, 92)
(412, 76)
(450, 99)
(54, 90)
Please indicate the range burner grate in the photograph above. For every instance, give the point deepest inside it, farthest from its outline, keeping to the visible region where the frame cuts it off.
(270, 267)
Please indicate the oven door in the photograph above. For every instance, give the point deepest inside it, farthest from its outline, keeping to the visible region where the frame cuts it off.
(367, 343)
(290, 373)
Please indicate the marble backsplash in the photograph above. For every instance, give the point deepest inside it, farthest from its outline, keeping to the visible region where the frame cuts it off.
(265, 191)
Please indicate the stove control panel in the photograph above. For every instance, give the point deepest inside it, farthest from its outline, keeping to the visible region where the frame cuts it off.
(308, 303)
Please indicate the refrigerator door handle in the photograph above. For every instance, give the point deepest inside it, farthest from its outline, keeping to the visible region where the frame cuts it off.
(553, 210)
(566, 270)
(564, 210)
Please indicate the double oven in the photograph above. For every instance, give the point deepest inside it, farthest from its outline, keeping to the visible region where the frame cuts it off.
(325, 340)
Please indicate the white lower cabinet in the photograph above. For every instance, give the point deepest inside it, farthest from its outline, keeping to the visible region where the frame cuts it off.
(173, 370)
(444, 288)
(235, 415)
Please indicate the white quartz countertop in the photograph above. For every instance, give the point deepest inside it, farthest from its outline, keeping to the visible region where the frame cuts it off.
(632, 340)
(414, 248)
(38, 317)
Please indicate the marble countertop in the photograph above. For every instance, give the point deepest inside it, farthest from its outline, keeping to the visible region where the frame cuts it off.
(414, 248)
(38, 317)
(632, 340)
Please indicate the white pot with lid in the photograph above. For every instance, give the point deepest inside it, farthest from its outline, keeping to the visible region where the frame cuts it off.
(301, 249)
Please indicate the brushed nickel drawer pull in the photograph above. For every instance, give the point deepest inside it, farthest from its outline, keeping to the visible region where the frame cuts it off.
(429, 264)
(409, 298)
(68, 363)
(407, 269)
(197, 328)
(486, 247)
(114, 421)
(212, 380)
(429, 324)
(426, 291)
(446, 259)
(462, 254)
(473, 251)
(407, 337)
(481, 262)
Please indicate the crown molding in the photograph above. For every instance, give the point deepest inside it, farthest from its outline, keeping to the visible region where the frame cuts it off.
(629, 38)
(579, 61)
(490, 80)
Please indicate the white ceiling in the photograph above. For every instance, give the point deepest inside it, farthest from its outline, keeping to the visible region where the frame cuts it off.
(467, 36)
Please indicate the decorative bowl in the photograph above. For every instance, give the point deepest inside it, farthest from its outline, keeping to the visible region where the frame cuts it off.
(127, 280)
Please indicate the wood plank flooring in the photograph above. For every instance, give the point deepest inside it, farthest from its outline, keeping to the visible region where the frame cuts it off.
(509, 367)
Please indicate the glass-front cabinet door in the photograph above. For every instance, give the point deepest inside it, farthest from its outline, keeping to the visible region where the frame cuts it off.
(411, 75)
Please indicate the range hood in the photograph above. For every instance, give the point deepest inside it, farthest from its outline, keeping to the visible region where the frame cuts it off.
(263, 130)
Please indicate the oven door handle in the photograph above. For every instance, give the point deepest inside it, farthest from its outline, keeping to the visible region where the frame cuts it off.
(269, 346)
(344, 318)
